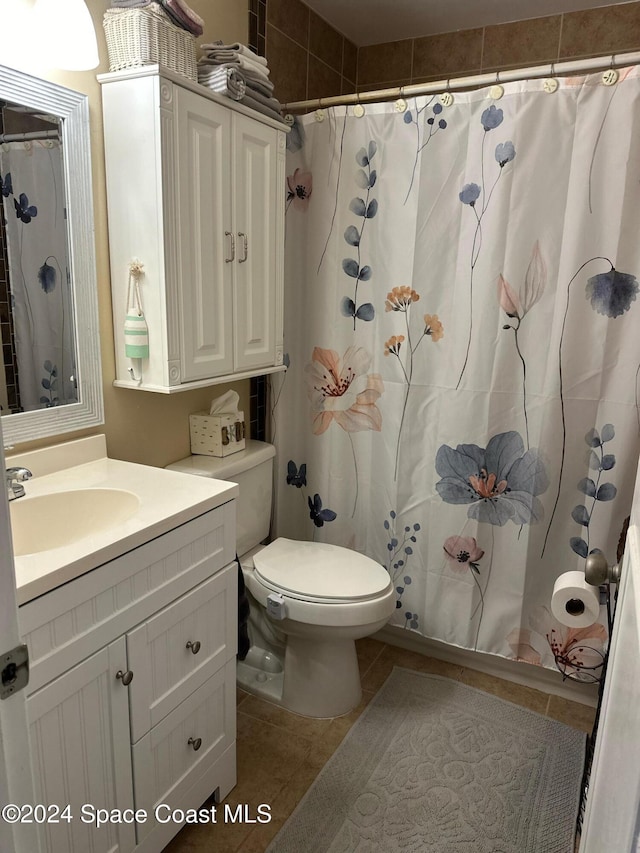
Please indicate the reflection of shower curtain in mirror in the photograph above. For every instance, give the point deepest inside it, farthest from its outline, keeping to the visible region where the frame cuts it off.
(31, 176)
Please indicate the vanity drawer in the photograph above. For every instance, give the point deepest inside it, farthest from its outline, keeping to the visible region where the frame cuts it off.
(178, 649)
(71, 622)
(167, 768)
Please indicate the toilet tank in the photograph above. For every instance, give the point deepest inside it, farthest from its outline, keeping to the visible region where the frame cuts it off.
(252, 470)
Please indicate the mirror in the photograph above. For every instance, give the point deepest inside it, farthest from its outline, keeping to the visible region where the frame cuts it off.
(51, 379)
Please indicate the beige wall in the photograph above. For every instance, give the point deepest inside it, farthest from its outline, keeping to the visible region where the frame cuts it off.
(142, 427)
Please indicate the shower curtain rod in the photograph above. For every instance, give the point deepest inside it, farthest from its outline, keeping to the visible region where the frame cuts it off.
(35, 134)
(549, 70)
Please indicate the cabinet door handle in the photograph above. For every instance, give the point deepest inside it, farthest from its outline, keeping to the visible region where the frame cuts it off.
(195, 647)
(245, 247)
(196, 743)
(233, 246)
(125, 677)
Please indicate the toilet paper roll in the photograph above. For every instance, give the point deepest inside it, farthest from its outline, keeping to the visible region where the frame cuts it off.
(574, 602)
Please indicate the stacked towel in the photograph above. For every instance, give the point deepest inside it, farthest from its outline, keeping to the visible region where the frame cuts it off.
(252, 68)
(224, 80)
(176, 11)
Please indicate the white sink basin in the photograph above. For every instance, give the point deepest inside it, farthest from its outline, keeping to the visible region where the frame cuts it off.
(56, 519)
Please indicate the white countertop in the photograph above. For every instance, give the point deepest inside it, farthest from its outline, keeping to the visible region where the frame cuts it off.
(167, 499)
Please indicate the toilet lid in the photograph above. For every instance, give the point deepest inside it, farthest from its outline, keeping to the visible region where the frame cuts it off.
(317, 570)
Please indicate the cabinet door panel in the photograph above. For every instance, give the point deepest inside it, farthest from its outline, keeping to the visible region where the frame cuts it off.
(204, 215)
(165, 670)
(255, 149)
(79, 726)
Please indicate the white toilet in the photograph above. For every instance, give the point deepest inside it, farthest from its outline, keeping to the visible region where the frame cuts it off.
(309, 601)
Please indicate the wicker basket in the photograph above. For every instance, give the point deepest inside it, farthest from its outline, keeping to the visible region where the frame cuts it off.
(146, 36)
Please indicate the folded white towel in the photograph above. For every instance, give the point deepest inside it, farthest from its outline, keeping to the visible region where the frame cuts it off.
(261, 108)
(218, 47)
(223, 80)
(248, 66)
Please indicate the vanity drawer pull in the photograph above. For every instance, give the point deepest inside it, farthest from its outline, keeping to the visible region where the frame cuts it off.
(126, 677)
(195, 647)
(196, 743)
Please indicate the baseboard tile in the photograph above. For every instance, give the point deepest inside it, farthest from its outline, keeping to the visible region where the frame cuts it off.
(537, 677)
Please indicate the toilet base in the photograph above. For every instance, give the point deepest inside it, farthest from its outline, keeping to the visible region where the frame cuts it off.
(317, 679)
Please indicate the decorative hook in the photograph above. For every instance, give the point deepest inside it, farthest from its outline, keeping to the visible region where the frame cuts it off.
(138, 380)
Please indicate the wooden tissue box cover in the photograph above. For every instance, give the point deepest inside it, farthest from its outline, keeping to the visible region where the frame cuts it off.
(216, 435)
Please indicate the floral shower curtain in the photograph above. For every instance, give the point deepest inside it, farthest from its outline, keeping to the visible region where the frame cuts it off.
(31, 179)
(462, 338)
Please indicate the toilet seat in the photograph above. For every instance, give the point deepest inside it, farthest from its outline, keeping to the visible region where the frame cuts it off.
(319, 572)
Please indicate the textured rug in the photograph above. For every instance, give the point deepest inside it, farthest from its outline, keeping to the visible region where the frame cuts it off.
(434, 766)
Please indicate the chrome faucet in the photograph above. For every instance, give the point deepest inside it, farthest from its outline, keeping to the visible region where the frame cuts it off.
(14, 477)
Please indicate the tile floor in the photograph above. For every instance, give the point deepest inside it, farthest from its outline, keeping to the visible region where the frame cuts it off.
(280, 754)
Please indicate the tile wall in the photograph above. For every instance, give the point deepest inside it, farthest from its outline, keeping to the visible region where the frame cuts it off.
(574, 35)
(308, 58)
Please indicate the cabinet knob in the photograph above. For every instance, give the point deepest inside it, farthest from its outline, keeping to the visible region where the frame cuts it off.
(125, 677)
(196, 743)
(195, 647)
(245, 247)
(233, 246)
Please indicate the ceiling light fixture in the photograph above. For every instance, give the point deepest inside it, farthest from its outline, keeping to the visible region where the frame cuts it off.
(65, 34)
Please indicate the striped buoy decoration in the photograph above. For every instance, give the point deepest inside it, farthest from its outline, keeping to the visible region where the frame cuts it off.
(136, 336)
(136, 331)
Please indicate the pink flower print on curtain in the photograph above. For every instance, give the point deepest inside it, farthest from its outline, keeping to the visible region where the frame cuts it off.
(343, 392)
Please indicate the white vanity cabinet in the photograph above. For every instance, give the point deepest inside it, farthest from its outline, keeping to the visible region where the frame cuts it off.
(131, 700)
(195, 190)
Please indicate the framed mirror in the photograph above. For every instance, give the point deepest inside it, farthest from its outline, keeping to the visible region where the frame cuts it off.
(51, 379)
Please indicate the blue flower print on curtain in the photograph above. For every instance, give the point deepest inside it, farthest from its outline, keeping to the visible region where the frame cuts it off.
(477, 197)
(47, 276)
(366, 208)
(500, 483)
(399, 553)
(434, 122)
(610, 294)
(25, 211)
(6, 186)
(317, 513)
(598, 461)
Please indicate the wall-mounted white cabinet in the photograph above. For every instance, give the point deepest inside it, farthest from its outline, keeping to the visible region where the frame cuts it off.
(132, 694)
(195, 189)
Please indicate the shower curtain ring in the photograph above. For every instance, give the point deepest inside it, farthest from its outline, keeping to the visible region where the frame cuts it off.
(611, 76)
(497, 90)
(319, 111)
(401, 104)
(358, 110)
(550, 84)
(446, 98)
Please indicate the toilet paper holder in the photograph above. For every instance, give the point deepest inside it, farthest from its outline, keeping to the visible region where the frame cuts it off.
(597, 571)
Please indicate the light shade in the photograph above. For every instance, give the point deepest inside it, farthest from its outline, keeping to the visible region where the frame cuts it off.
(65, 34)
